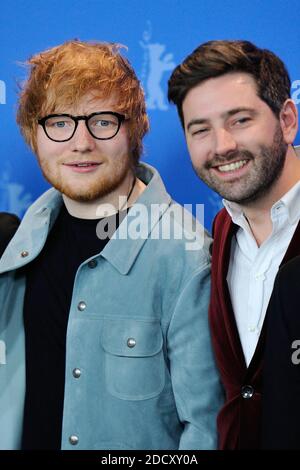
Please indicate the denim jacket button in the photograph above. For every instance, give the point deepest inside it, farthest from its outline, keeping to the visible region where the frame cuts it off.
(81, 306)
(76, 373)
(131, 342)
(73, 440)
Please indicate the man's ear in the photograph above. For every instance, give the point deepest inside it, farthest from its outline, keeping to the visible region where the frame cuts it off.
(289, 121)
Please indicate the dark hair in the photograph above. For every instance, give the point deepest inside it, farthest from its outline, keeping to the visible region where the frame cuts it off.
(216, 58)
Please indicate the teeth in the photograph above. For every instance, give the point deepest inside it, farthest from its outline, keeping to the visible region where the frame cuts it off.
(83, 164)
(232, 166)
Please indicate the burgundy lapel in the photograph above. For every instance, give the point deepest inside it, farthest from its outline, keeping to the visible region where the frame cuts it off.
(228, 230)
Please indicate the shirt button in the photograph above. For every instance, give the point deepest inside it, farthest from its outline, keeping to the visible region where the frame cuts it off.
(131, 342)
(24, 254)
(76, 373)
(247, 391)
(73, 440)
(251, 328)
(92, 264)
(81, 306)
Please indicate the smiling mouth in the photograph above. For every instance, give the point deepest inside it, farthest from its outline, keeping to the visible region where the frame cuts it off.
(82, 164)
(231, 166)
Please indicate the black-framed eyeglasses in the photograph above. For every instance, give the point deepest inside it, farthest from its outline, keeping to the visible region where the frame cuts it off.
(103, 125)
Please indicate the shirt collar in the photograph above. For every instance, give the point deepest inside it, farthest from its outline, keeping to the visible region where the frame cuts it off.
(290, 201)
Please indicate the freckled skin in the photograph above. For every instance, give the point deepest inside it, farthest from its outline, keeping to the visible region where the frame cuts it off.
(113, 156)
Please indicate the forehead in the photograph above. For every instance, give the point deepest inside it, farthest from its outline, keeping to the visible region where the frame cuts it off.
(89, 103)
(220, 94)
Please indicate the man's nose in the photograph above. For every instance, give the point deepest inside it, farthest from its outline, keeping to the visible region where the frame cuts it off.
(82, 140)
(224, 142)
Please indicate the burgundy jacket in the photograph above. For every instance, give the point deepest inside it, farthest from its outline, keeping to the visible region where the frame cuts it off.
(239, 421)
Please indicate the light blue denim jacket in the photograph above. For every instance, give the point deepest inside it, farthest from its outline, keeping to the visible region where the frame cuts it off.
(163, 392)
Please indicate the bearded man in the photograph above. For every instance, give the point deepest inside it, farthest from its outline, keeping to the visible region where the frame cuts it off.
(233, 100)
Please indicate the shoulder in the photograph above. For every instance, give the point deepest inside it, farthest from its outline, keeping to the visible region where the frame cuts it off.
(288, 278)
(187, 234)
(46, 206)
(50, 199)
(8, 221)
(290, 269)
(284, 302)
(182, 246)
(8, 226)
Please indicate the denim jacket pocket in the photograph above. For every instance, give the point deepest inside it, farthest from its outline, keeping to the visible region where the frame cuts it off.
(134, 361)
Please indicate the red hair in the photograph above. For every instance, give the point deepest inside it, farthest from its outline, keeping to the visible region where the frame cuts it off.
(60, 76)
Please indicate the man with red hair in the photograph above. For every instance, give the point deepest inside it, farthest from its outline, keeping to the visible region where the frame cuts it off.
(105, 324)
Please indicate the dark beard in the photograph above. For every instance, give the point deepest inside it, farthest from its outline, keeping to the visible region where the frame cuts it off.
(252, 187)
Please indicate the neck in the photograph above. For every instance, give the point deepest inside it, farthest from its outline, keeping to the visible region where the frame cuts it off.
(258, 213)
(120, 199)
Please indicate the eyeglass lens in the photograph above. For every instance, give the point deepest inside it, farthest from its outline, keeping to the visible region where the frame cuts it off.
(101, 126)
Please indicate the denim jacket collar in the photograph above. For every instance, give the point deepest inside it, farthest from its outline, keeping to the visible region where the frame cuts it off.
(40, 217)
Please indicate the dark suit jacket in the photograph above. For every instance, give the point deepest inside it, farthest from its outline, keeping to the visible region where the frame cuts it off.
(281, 374)
(8, 225)
(239, 421)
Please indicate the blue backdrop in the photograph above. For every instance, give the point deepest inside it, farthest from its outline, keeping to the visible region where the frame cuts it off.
(159, 34)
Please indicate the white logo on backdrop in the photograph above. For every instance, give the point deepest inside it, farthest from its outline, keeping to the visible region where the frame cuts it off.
(13, 196)
(155, 64)
(296, 93)
(2, 92)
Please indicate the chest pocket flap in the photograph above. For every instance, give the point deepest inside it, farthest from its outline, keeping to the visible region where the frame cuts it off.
(134, 360)
(132, 338)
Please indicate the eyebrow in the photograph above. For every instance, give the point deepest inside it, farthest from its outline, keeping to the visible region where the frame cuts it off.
(225, 115)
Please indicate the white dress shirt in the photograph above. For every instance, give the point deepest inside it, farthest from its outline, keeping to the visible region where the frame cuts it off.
(252, 269)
